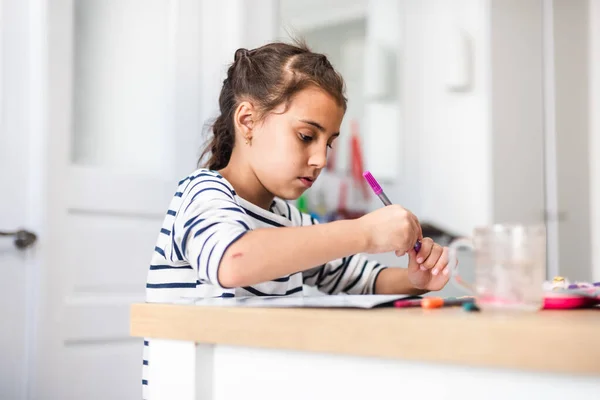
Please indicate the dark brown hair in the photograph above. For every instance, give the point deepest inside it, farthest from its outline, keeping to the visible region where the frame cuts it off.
(267, 76)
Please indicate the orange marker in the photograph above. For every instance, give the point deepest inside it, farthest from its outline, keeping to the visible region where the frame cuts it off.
(438, 302)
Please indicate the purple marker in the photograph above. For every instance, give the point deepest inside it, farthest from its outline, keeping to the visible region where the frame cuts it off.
(384, 199)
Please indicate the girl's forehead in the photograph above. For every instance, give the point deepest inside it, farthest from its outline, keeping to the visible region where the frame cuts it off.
(313, 97)
(314, 103)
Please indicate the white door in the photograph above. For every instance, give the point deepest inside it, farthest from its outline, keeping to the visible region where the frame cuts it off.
(117, 137)
(128, 85)
(123, 125)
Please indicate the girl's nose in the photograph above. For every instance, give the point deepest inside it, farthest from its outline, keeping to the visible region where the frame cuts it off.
(318, 158)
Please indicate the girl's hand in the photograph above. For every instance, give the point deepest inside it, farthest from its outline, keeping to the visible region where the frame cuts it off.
(391, 228)
(428, 269)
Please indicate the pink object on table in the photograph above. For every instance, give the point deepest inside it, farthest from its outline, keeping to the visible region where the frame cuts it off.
(567, 301)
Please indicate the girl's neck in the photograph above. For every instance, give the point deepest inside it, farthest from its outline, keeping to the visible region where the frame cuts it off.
(247, 185)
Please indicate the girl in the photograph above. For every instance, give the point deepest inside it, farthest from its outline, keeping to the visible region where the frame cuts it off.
(281, 110)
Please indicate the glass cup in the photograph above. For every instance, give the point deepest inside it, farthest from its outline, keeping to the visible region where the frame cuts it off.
(510, 266)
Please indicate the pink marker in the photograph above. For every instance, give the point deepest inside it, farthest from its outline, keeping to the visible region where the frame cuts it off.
(384, 199)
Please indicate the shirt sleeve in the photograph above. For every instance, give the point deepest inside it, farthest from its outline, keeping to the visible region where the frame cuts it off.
(209, 220)
(355, 274)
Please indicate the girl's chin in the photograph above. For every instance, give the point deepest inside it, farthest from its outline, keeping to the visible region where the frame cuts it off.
(292, 194)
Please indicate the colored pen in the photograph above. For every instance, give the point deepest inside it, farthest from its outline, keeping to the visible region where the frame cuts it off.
(408, 303)
(382, 196)
(437, 302)
(434, 302)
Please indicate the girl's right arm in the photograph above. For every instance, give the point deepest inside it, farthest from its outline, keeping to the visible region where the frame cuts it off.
(213, 233)
(269, 253)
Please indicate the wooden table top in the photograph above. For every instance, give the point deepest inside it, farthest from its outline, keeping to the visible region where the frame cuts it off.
(550, 341)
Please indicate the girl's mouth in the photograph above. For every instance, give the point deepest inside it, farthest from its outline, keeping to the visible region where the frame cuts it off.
(307, 181)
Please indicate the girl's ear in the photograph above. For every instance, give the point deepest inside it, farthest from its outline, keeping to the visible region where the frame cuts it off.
(243, 120)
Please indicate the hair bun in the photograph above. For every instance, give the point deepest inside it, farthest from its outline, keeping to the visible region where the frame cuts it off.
(240, 53)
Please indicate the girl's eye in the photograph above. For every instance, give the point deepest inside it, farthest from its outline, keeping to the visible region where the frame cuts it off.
(330, 145)
(305, 138)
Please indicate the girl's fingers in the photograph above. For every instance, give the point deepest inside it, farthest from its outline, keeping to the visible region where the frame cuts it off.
(434, 256)
(441, 266)
(426, 247)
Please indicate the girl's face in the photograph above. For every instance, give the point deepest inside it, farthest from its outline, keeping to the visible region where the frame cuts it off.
(289, 149)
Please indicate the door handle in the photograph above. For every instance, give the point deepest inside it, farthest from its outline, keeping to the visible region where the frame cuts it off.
(22, 238)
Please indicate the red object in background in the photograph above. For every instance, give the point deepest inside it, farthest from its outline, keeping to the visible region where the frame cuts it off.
(357, 160)
(343, 196)
(356, 171)
(342, 212)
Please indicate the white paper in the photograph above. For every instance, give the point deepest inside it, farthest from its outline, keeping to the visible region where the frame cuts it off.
(335, 301)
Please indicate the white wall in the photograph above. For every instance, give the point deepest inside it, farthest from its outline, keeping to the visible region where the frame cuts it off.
(384, 151)
(446, 134)
(472, 156)
(517, 146)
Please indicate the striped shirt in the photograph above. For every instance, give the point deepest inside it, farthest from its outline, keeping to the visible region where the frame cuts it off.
(205, 217)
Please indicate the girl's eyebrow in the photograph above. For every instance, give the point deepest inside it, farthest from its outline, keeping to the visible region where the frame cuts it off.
(318, 126)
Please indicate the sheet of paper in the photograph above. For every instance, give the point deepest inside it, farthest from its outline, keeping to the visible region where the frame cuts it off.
(336, 301)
